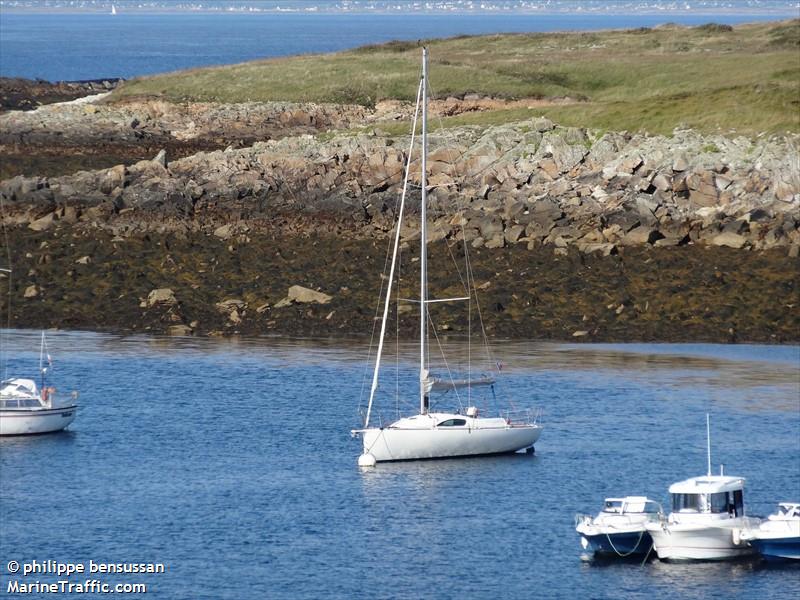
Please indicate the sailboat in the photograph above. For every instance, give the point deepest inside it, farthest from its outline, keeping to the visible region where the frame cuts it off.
(113, 9)
(435, 434)
(26, 410)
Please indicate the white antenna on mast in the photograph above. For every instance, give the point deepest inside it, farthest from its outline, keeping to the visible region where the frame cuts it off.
(708, 442)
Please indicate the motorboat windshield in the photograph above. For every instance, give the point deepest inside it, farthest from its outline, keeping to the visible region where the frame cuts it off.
(786, 511)
(630, 504)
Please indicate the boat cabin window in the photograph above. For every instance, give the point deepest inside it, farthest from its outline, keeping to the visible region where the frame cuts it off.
(688, 503)
(651, 507)
(19, 403)
(642, 507)
(453, 423)
(613, 506)
(721, 502)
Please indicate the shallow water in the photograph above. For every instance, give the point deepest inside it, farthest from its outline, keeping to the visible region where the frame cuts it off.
(231, 462)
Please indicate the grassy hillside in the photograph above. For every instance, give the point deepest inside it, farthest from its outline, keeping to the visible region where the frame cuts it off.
(711, 77)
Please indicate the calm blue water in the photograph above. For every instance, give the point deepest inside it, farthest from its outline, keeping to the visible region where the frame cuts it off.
(93, 46)
(231, 462)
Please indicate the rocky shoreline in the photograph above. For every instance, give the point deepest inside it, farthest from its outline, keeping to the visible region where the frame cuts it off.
(261, 284)
(576, 234)
(17, 93)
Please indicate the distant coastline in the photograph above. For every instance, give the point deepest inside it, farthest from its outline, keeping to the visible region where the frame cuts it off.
(75, 46)
(710, 8)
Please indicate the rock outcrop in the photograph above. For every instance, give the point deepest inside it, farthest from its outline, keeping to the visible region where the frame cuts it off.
(572, 234)
(531, 183)
(90, 133)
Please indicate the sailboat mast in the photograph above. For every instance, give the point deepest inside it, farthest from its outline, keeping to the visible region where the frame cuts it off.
(423, 257)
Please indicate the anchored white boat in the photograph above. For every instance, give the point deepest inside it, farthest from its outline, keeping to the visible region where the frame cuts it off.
(25, 410)
(778, 536)
(436, 433)
(706, 520)
(620, 528)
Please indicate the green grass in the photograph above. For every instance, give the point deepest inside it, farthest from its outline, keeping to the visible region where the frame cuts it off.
(710, 77)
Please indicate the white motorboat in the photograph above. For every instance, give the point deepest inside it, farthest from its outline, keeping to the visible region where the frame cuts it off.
(620, 528)
(707, 516)
(25, 410)
(778, 536)
(436, 433)
(706, 520)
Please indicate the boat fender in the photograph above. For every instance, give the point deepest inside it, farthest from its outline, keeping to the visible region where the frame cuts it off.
(736, 537)
(366, 460)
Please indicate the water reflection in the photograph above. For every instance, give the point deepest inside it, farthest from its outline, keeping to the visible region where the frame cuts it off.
(750, 377)
(686, 577)
(430, 474)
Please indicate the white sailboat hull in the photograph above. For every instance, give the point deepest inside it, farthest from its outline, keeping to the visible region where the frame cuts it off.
(389, 444)
(30, 422)
(698, 542)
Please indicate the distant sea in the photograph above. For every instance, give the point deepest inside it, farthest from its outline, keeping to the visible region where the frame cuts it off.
(78, 46)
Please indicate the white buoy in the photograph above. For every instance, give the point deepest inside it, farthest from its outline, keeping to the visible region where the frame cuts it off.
(366, 460)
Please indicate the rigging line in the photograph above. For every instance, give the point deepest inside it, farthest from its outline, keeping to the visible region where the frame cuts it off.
(397, 334)
(444, 358)
(462, 202)
(458, 271)
(447, 132)
(380, 293)
(391, 175)
(374, 386)
(469, 291)
(374, 326)
(3, 346)
(470, 288)
(483, 331)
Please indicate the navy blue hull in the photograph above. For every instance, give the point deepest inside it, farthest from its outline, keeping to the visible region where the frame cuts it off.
(778, 549)
(621, 544)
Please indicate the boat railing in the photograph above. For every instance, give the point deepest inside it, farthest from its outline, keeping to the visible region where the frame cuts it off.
(750, 523)
(525, 416)
(583, 519)
(655, 517)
